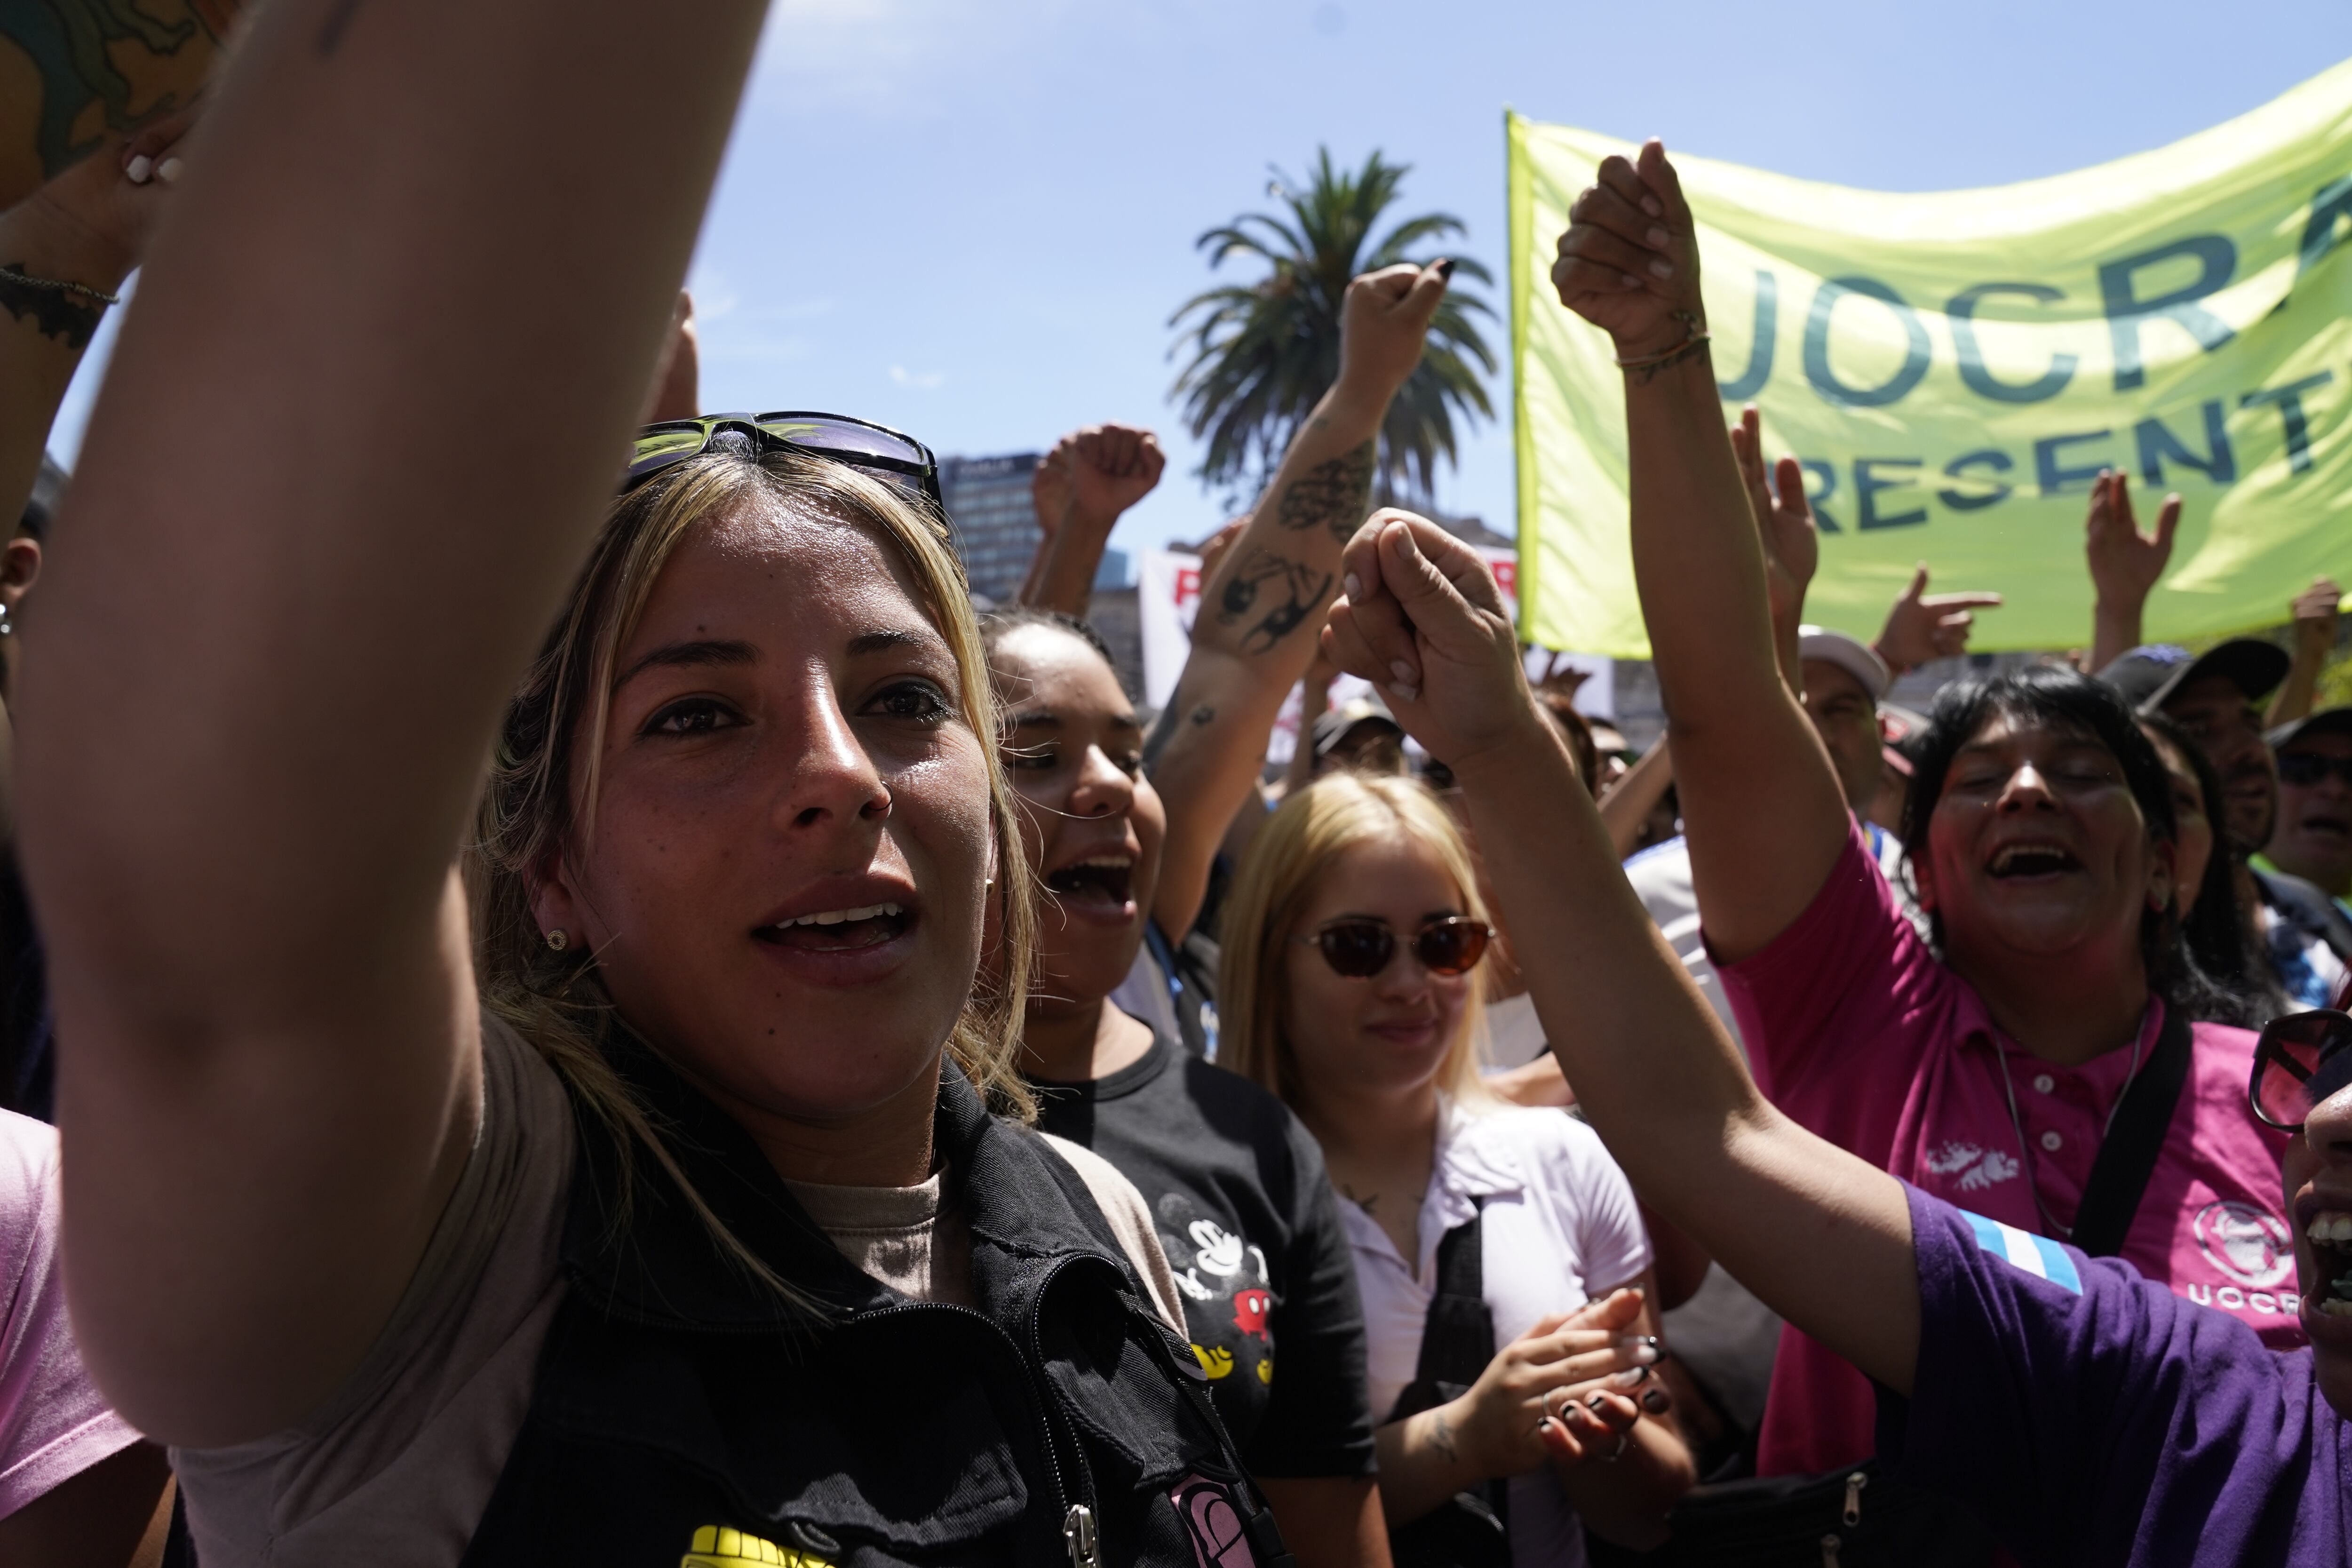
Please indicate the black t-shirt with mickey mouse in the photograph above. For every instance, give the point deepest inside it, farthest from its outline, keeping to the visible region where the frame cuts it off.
(1237, 1192)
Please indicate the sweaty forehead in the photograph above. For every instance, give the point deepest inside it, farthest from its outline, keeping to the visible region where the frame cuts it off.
(767, 573)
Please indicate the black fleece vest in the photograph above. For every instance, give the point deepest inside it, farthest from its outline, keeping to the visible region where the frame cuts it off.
(682, 1417)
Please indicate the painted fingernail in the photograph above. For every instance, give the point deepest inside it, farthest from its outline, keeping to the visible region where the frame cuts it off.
(1645, 1349)
(1657, 1402)
(1631, 1377)
(138, 169)
(1401, 671)
(1658, 236)
(1662, 268)
(1650, 204)
(1355, 584)
(1596, 1402)
(1405, 690)
(1630, 281)
(1446, 268)
(168, 171)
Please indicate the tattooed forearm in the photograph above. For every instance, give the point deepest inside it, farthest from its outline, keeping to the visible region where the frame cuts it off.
(56, 314)
(1334, 494)
(108, 64)
(1285, 590)
(1441, 1436)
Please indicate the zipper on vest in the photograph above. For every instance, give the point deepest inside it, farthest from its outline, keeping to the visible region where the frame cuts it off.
(1079, 1535)
(1050, 1406)
(1041, 1393)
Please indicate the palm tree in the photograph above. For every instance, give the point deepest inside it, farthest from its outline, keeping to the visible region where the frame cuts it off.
(1263, 352)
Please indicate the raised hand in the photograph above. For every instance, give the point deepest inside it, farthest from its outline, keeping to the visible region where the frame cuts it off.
(1093, 475)
(93, 220)
(1421, 619)
(1629, 261)
(1383, 320)
(2126, 564)
(1784, 518)
(2315, 615)
(1923, 626)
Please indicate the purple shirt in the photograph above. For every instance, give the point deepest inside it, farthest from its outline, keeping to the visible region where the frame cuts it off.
(2088, 1414)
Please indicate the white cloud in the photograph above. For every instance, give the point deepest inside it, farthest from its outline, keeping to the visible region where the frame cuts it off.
(919, 380)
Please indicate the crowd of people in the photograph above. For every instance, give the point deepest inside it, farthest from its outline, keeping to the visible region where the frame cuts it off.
(602, 1011)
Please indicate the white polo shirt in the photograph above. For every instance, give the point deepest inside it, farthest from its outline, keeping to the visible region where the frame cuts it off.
(1560, 1226)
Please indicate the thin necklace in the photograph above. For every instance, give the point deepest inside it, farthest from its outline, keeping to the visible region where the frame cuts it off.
(2050, 1225)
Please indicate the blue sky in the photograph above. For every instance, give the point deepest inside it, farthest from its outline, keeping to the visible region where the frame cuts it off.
(974, 222)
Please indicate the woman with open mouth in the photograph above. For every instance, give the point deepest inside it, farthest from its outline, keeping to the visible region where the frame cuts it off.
(656, 1189)
(2082, 1413)
(2054, 1001)
(1121, 837)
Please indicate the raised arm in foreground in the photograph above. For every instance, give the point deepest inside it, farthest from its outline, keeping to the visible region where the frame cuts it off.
(1759, 800)
(361, 427)
(1821, 1237)
(1261, 610)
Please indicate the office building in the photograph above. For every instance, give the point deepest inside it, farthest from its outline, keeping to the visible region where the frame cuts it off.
(995, 520)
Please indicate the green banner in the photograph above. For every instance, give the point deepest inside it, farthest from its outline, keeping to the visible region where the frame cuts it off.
(1953, 369)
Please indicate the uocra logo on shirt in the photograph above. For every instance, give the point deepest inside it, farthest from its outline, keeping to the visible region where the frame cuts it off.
(2246, 1243)
(1974, 1167)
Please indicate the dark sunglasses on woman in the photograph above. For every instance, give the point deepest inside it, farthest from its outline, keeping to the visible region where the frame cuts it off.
(885, 453)
(2300, 1060)
(1361, 948)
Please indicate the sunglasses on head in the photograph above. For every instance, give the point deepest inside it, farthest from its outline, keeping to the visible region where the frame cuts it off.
(2310, 767)
(2300, 1060)
(876, 450)
(1360, 948)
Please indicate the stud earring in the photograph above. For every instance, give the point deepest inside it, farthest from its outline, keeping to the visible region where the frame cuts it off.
(558, 939)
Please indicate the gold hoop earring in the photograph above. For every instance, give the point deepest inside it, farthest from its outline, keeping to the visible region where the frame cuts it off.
(558, 939)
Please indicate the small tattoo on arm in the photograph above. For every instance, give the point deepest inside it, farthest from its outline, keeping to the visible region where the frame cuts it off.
(1367, 1204)
(1441, 1436)
(1204, 714)
(54, 312)
(1334, 494)
(1291, 592)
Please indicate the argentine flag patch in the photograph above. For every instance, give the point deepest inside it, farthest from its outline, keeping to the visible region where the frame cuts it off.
(2037, 1255)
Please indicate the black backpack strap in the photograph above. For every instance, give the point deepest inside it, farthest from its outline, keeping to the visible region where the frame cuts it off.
(2127, 1154)
(1457, 1338)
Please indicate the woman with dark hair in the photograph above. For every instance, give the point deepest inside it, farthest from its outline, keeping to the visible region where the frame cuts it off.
(1988, 1063)
(1121, 845)
(2212, 925)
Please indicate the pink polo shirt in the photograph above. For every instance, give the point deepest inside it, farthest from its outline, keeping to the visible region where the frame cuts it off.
(1857, 1031)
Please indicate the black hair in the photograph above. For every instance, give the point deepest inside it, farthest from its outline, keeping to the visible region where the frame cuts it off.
(2056, 698)
(995, 626)
(2215, 928)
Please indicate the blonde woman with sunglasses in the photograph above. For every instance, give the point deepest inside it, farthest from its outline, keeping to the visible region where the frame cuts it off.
(1505, 1274)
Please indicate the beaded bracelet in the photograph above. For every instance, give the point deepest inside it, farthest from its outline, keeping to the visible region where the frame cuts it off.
(1698, 336)
(57, 286)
